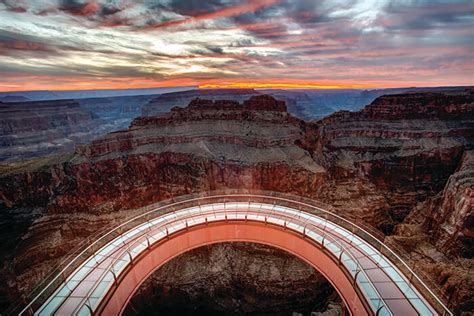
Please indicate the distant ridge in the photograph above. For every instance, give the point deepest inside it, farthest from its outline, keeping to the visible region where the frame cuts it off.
(43, 95)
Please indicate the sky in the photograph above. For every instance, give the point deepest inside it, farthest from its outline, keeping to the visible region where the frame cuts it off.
(117, 44)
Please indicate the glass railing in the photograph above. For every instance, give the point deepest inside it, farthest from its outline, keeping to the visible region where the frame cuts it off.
(88, 247)
(145, 235)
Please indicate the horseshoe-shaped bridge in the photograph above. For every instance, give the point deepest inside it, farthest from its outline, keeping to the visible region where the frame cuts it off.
(101, 278)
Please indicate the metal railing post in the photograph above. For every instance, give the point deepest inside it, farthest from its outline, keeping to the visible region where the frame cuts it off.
(340, 257)
(355, 276)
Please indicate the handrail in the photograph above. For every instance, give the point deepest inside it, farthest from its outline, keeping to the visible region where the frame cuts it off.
(166, 206)
(391, 252)
(323, 232)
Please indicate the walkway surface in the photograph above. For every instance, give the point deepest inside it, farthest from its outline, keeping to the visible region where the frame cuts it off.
(382, 287)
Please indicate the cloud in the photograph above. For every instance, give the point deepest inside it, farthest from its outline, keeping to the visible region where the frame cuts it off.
(195, 11)
(79, 7)
(16, 6)
(15, 44)
(110, 9)
(428, 16)
(386, 42)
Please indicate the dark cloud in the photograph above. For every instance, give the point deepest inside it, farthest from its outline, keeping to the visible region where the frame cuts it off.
(428, 17)
(79, 7)
(12, 43)
(110, 9)
(14, 6)
(279, 20)
(76, 71)
(194, 7)
(215, 49)
(106, 14)
(207, 50)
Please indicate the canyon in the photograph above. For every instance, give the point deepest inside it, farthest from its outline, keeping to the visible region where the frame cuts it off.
(45, 123)
(37, 128)
(235, 277)
(44, 128)
(403, 165)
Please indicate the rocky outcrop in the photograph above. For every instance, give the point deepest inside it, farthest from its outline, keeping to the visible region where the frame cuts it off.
(44, 128)
(406, 157)
(304, 104)
(167, 101)
(188, 150)
(233, 278)
(438, 236)
(299, 103)
(33, 129)
(451, 214)
(439, 106)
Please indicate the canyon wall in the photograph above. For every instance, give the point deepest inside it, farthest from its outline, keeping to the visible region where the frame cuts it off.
(239, 277)
(167, 101)
(33, 129)
(452, 219)
(409, 157)
(45, 128)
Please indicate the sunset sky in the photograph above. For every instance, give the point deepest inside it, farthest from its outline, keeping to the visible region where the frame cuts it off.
(56, 45)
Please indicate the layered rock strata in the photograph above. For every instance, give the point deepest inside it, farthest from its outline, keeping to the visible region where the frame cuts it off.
(233, 278)
(45, 128)
(166, 101)
(406, 157)
(34, 129)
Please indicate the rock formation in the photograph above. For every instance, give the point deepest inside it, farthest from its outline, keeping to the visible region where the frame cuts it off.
(239, 277)
(116, 112)
(380, 165)
(452, 220)
(185, 151)
(408, 158)
(166, 101)
(45, 128)
(443, 225)
(33, 129)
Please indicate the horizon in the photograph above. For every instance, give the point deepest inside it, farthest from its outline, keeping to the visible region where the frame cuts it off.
(88, 44)
(243, 88)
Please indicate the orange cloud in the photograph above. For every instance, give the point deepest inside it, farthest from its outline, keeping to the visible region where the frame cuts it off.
(31, 82)
(281, 85)
(28, 83)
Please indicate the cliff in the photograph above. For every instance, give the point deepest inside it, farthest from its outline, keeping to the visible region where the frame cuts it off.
(32, 129)
(407, 156)
(429, 105)
(44, 128)
(166, 101)
(243, 277)
(186, 151)
(451, 218)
